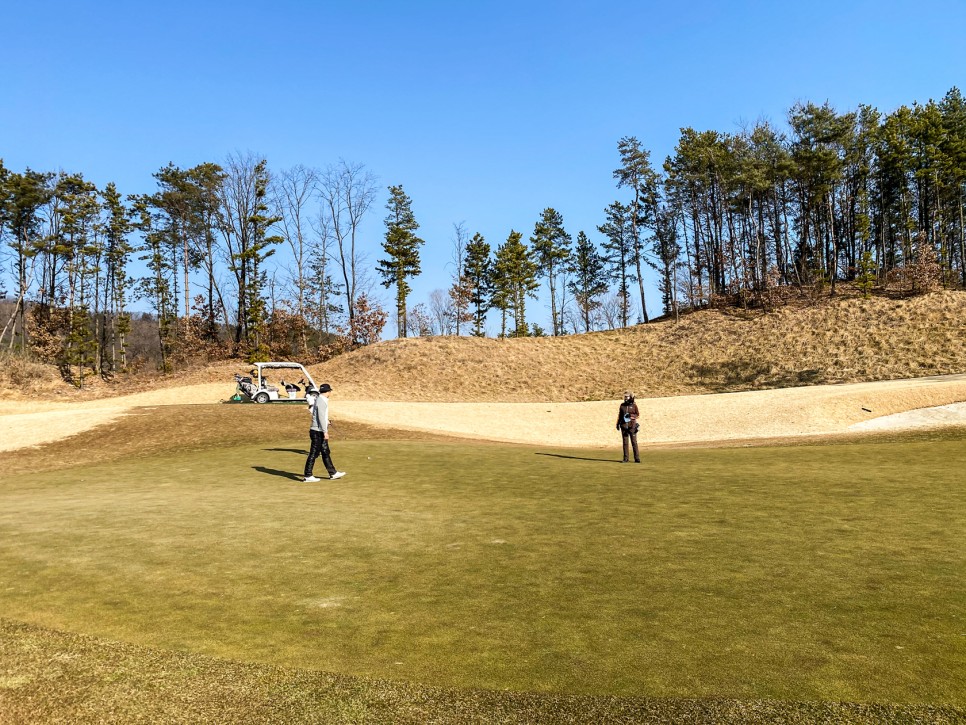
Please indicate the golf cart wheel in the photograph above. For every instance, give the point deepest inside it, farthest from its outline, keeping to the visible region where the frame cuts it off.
(261, 398)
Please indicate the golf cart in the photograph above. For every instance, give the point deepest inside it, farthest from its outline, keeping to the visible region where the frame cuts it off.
(255, 387)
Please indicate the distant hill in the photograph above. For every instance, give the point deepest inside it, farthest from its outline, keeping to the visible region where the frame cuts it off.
(835, 341)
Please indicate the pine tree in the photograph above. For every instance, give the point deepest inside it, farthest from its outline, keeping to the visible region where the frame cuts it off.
(589, 279)
(478, 270)
(402, 251)
(953, 110)
(551, 246)
(78, 243)
(515, 280)
(207, 179)
(117, 253)
(259, 249)
(666, 251)
(866, 278)
(24, 197)
(636, 173)
(156, 286)
(619, 249)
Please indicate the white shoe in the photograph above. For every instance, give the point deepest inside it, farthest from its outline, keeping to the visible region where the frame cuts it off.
(310, 479)
(337, 474)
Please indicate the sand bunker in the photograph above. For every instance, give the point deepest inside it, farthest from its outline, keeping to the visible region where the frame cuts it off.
(825, 410)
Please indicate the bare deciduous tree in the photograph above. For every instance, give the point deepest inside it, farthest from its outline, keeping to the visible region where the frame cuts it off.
(442, 312)
(293, 191)
(347, 191)
(419, 322)
(237, 197)
(613, 310)
(459, 300)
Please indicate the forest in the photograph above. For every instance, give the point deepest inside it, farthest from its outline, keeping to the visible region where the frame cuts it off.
(859, 199)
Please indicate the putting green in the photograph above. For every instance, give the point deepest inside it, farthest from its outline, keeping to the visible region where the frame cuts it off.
(828, 573)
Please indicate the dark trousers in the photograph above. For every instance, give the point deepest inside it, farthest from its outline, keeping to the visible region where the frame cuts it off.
(632, 434)
(320, 446)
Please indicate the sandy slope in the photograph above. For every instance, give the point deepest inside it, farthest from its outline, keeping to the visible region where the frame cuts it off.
(789, 412)
(827, 410)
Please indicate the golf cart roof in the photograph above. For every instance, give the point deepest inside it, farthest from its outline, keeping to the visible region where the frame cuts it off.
(296, 366)
(261, 367)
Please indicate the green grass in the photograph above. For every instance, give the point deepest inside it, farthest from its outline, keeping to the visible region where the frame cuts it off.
(800, 573)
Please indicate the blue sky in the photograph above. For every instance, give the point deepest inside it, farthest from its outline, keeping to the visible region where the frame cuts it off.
(485, 112)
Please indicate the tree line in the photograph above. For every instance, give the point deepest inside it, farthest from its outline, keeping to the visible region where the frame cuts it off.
(742, 218)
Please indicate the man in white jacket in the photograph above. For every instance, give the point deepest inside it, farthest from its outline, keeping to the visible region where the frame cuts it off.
(319, 433)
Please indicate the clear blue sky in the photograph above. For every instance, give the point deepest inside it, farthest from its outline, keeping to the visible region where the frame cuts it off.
(486, 112)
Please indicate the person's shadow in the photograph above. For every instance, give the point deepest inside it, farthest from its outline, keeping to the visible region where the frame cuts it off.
(275, 472)
(299, 451)
(578, 458)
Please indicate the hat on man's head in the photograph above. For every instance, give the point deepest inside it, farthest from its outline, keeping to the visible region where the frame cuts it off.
(325, 388)
(311, 391)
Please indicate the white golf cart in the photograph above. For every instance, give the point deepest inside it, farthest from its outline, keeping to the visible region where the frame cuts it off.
(258, 388)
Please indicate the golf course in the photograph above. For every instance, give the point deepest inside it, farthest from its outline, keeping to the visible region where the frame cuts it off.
(495, 363)
(164, 561)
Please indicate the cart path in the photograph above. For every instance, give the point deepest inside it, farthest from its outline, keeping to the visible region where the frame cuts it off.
(824, 410)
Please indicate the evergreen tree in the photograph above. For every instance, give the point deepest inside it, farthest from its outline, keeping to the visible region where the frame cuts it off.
(953, 219)
(24, 197)
(636, 173)
(78, 244)
(619, 249)
(207, 179)
(478, 271)
(515, 280)
(666, 251)
(589, 279)
(117, 251)
(865, 279)
(156, 286)
(402, 251)
(259, 250)
(175, 200)
(551, 246)
(818, 150)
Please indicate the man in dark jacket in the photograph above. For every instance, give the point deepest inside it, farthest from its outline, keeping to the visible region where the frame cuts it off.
(627, 424)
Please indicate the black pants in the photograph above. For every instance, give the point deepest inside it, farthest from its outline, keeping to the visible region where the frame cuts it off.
(632, 434)
(320, 446)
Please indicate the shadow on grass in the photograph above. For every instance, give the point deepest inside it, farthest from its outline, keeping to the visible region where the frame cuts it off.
(299, 451)
(578, 458)
(281, 474)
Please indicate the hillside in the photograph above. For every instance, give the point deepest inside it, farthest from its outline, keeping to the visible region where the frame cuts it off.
(838, 341)
(709, 351)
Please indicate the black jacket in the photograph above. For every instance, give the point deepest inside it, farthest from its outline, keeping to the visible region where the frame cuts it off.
(630, 412)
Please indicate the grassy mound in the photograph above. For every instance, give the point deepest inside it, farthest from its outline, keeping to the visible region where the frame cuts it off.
(842, 340)
(22, 377)
(839, 341)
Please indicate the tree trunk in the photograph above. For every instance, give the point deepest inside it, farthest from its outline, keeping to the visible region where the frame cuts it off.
(834, 261)
(553, 299)
(962, 241)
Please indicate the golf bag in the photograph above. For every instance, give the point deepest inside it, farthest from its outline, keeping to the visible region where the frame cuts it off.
(245, 385)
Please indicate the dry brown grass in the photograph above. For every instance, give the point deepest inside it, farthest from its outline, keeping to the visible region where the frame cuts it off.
(847, 339)
(23, 376)
(839, 341)
(148, 431)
